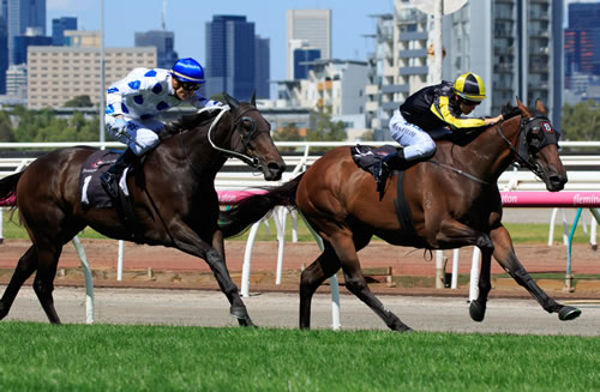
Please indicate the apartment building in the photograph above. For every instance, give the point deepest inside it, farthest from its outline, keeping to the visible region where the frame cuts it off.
(57, 74)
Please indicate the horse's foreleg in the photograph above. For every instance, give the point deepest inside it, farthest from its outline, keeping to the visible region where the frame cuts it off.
(26, 266)
(312, 277)
(504, 253)
(357, 284)
(43, 284)
(454, 232)
(188, 241)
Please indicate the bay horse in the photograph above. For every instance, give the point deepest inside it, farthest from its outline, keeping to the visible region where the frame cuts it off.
(176, 204)
(453, 200)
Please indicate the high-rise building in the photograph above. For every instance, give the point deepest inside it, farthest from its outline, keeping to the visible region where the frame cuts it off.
(262, 68)
(302, 55)
(230, 56)
(164, 41)
(21, 15)
(22, 42)
(3, 44)
(514, 45)
(59, 25)
(582, 41)
(311, 26)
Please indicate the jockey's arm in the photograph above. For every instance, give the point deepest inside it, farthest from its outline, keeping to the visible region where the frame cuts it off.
(445, 114)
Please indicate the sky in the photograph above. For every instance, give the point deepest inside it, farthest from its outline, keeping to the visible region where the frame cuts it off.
(187, 19)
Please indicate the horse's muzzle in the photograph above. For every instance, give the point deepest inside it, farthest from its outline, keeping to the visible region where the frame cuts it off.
(556, 182)
(273, 171)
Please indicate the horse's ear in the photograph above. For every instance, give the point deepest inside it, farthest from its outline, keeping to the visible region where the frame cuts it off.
(539, 106)
(523, 108)
(253, 99)
(233, 103)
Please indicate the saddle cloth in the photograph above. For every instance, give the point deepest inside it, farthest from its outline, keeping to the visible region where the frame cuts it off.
(92, 192)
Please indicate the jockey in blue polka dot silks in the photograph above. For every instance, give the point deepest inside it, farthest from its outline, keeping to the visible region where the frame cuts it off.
(133, 103)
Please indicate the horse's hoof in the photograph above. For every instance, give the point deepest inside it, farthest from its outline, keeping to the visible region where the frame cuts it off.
(567, 313)
(477, 311)
(241, 314)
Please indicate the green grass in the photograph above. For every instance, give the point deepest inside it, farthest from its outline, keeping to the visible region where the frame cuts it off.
(521, 233)
(159, 358)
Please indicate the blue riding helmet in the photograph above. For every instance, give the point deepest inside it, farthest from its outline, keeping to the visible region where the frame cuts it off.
(188, 70)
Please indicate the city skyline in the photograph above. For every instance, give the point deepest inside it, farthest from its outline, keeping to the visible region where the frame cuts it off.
(187, 20)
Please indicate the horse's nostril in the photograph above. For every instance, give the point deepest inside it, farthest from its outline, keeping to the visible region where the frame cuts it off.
(274, 166)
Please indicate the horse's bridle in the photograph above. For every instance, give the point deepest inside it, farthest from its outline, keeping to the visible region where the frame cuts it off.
(534, 134)
(245, 139)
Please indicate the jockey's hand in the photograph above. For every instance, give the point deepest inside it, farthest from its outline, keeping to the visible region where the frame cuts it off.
(493, 120)
(120, 126)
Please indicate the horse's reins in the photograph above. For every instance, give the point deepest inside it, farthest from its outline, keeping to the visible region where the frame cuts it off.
(520, 159)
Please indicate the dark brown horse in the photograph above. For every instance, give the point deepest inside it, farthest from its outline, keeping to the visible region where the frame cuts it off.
(453, 200)
(175, 204)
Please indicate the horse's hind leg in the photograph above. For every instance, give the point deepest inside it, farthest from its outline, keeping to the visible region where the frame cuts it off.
(356, 282)
(312, 277)
(25, 267)
(505, 255)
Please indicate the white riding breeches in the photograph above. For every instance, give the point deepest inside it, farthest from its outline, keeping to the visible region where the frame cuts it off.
(416, 142)
(140, 136)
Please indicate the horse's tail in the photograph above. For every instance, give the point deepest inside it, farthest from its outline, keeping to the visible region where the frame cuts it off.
(251, 209)
(8, 189)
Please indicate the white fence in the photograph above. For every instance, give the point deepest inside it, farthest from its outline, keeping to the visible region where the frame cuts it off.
(305, 154)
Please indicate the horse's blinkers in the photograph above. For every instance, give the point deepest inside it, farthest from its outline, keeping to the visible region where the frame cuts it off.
(536, 133)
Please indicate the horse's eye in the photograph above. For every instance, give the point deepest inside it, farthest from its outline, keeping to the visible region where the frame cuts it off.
(247, 124)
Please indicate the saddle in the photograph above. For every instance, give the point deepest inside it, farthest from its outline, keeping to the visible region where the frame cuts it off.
(370, 159)
(93, 194)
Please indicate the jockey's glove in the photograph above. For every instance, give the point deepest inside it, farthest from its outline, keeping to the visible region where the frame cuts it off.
(120, 126)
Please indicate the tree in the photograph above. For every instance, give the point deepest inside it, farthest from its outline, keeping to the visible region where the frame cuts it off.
(288, 133)
(325, 129)
(581, 121)
(80, 101)
(6, 131)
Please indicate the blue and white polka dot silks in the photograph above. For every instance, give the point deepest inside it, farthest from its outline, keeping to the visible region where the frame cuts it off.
(144, 93)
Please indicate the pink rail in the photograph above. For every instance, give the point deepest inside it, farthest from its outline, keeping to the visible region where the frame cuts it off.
(551, 199)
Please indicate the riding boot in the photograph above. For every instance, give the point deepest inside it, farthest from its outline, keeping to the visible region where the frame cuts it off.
(110, 178)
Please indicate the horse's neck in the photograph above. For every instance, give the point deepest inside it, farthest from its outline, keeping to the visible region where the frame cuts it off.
(489, 155)
(194, 149)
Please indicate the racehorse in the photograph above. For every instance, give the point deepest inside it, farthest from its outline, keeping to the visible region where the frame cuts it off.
(173, 198)
(453, 200)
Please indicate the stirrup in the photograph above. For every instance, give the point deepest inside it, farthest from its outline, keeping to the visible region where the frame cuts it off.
(110, 184)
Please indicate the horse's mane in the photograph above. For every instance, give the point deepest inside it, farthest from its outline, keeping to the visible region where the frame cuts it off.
(188, 122)
(509, 111)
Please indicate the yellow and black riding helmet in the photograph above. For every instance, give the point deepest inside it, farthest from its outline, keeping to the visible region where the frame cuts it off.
(470, 87)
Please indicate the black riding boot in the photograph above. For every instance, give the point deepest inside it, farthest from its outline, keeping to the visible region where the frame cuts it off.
(110, 178)
(393, 161)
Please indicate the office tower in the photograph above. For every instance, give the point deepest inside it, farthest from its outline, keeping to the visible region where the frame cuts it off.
(164, 41)
(59, 25)
(311, 26)
(21, 15)
(22, 42)
(302, 55)
(582, 42)
(3, 44)
(230, 56)
(262, 68)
